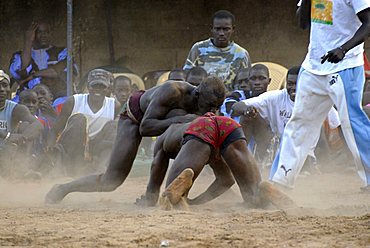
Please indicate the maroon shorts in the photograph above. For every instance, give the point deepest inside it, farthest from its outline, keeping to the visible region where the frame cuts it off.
(131, 109)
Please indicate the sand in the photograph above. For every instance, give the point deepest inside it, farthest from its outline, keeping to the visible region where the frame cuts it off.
(333, 213)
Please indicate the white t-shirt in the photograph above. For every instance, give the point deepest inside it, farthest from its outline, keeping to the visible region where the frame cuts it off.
(95, 121)
(333, 22)
(276, 108)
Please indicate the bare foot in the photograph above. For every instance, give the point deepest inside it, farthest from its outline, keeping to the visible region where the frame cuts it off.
(147, 200)
(272, 194)
(175, 192)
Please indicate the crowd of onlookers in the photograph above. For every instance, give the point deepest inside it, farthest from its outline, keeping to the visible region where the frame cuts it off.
(45, 132)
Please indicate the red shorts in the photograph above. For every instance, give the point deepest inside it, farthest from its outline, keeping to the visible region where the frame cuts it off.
(212, 129)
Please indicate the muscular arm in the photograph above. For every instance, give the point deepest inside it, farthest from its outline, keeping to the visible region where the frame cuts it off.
(154, 122)
(224, 180)
(304, 14)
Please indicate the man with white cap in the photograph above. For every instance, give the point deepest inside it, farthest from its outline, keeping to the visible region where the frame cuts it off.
(86, 123)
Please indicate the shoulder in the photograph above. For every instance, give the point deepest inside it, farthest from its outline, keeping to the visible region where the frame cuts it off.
(20, 110)
(172, 91)
(202, 43)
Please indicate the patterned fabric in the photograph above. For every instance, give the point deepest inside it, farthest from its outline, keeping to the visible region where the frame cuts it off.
(52, 57)
(212, 129)
(221, 62)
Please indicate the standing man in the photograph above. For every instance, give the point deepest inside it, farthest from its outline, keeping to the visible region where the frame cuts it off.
(332, 73)
(147, 113)
(219, 55)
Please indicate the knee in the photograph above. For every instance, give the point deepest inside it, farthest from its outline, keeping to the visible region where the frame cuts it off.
(78, 118)
(110, 184)
(228, 182)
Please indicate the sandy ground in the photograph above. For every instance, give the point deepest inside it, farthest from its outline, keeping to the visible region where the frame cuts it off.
(332, 213)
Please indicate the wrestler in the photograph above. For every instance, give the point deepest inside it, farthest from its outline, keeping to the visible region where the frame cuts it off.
(144, 115)
(216, 140)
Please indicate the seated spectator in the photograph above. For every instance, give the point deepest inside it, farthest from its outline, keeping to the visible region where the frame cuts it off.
(122, 88)
(18, 127)
(177, 74)
(196, 75)
(219, 55)
(275, 108)
(45, 101)
(242, 91)
(86, 123)
(259, 79)
(40, 62)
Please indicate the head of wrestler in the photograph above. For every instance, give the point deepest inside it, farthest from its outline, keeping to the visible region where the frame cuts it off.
(241, 81)
(4, 87)
(99, 82)
(42, 35)
(29, 99)
(122, 88)
(177, 74)
(291, 81)
(210, 95)
(259, 79)
(196, 75)
(222, 28)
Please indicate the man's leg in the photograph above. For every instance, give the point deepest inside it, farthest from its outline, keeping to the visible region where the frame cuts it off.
(157, 174)
(244, 168)
(194, 154)
(248, 177)
(224, 180)
(347, 95)
(303, 129)
(121, 160)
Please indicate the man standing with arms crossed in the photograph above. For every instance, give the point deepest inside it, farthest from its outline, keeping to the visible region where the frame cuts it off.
(332, 73)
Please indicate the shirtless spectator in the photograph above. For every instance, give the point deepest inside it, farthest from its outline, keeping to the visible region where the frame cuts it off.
(219, 55)
(40, 62)
(18, 126)
(196, 75)
(122, 88)
(217, 140)
(146, 114)
(86, 123)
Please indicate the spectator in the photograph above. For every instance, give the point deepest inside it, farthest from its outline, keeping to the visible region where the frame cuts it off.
(177, 74)
(40, 61)
(86, 122)
(122, 88)
(18, 127)
(196, 75)
(275, 108)
(242, 91)
(219, 55)
(45, 98)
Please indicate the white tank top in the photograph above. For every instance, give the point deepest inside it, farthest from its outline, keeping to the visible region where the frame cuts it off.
(95, 121)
